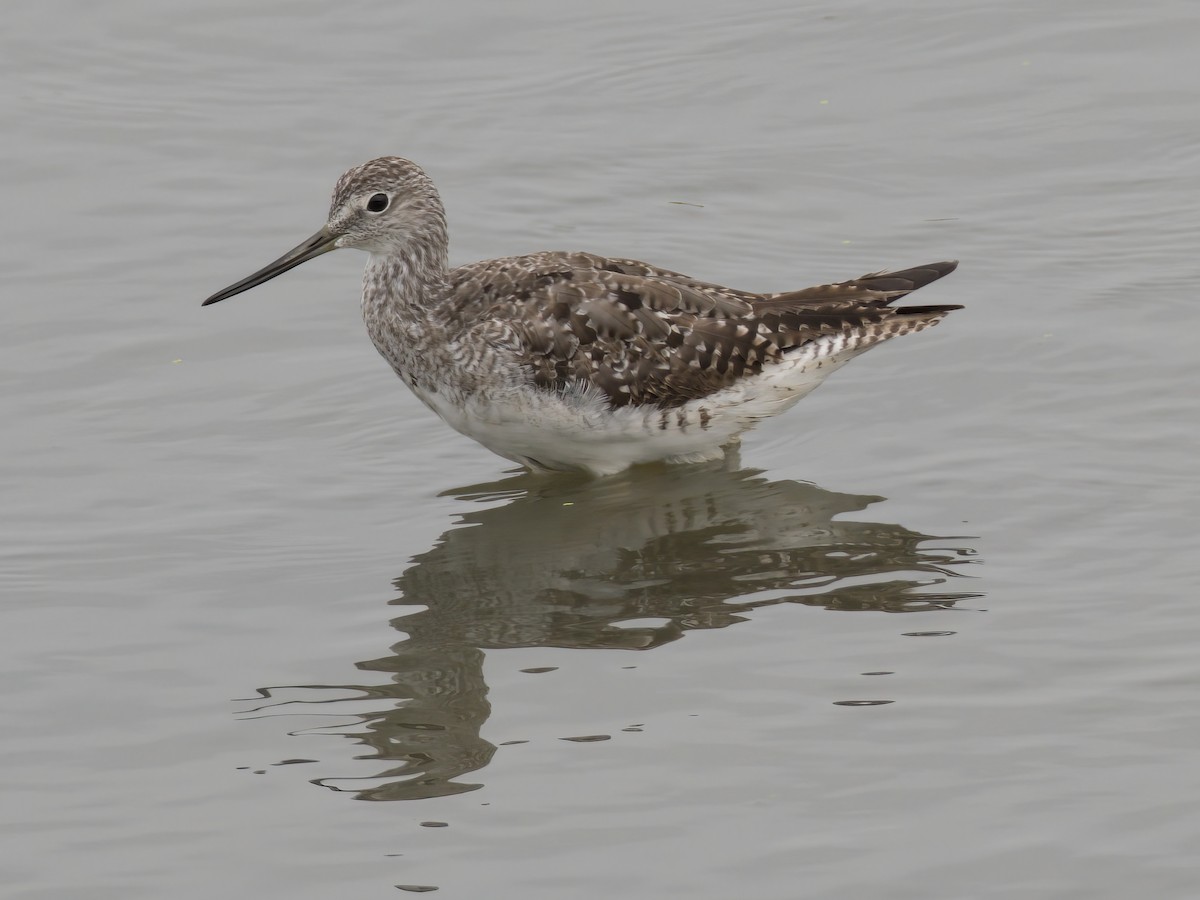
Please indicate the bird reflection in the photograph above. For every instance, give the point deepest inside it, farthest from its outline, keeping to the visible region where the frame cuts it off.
(567, 563)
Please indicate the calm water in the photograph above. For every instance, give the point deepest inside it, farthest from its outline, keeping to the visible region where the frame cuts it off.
(264, 619)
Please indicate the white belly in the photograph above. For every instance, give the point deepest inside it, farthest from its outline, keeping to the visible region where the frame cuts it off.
(547, 430)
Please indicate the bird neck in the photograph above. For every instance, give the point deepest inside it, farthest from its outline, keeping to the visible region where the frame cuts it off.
(404, 291)
(408, 281)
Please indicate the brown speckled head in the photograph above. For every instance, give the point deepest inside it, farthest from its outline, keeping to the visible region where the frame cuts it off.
(387, 206)
(384, 204)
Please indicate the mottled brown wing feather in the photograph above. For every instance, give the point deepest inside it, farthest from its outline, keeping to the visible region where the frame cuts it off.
(642, 335)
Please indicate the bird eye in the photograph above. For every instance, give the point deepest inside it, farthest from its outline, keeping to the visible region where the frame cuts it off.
(378, 203)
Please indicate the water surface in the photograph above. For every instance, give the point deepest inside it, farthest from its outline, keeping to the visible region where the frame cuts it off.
(932, 636)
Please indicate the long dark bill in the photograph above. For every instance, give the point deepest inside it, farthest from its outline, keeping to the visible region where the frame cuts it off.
(321, 242)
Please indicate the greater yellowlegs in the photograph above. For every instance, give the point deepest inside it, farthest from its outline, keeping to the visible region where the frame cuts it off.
(568, 360)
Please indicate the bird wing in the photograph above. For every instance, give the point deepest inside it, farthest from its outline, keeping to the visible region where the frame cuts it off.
(642, 335)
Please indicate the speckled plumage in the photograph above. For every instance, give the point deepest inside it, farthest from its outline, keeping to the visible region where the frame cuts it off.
(562, 360)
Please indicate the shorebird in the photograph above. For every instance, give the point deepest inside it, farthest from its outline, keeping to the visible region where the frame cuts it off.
(569, 360)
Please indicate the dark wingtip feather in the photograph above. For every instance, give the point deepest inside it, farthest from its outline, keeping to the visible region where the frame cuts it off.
(907, 280)
(919, 310)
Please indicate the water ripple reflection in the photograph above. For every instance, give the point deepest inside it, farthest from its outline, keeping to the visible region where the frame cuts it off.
(631, 563)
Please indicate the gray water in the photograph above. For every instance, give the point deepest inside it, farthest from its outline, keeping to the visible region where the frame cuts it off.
(263, 616)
